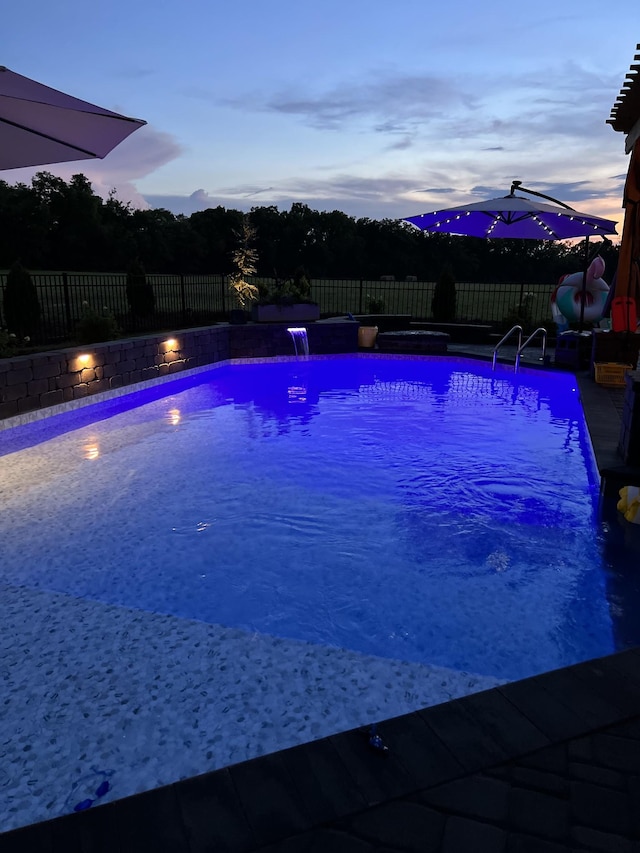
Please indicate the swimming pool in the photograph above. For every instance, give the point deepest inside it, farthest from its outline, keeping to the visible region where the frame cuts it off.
(382, 524)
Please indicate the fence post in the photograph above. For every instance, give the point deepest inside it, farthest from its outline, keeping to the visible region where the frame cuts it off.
(183, 299)
(360, 298)
(223, 285)
(67, 303)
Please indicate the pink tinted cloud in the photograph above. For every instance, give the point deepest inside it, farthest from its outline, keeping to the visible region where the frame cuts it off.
(138, 156)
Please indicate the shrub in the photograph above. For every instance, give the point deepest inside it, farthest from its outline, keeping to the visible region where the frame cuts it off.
(375, 304)
(520, 314)
(21, 303)
(94, 327)
(443, 304)
(140, 295)
(7, 343)
(300, 285)
(287, 291)
(11, 344)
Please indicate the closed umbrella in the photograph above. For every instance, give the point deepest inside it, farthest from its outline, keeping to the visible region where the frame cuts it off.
(627, 288)
(40, 125)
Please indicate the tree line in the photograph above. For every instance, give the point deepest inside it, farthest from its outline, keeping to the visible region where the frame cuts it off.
(57, 225)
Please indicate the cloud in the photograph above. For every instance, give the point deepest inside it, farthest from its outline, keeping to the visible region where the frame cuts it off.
(393, 101)
(396, 196)
(183, 204)
(427, 107)
(401, 145)
(139, 155)
(435, 190)
(375, 198)
(442, 133)
(461, 142)
(143, 152)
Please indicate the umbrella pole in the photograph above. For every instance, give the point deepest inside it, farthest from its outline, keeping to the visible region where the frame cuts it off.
(584, 282)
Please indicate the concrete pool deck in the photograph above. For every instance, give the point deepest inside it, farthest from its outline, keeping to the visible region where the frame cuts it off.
(550, 763)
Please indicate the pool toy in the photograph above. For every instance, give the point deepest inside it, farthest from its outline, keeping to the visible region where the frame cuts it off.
(566, 299)
(96, 784)
(629, 503)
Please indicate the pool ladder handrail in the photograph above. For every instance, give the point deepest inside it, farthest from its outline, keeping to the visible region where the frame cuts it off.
(506, 337)
(529, 339)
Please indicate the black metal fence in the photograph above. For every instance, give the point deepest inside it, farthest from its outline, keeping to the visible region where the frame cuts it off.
(180, 300)
(495, 304)
(194, 300)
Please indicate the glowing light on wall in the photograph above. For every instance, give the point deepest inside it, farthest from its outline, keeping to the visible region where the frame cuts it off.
(173, 416)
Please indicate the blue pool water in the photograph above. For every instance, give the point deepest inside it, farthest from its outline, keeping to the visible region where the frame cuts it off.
(415, 509)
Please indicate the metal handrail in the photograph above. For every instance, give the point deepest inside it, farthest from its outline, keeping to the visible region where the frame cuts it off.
(505, 338)
(529, 339)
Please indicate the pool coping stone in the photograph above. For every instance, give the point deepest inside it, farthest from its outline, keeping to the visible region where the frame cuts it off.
(334, 782)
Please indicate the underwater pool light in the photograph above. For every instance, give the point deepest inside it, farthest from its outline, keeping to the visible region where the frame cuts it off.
(91, 450)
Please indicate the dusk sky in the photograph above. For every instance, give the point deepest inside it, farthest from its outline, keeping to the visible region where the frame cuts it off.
(381, 110)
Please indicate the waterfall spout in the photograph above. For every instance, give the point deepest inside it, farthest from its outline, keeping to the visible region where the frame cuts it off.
(300, 340)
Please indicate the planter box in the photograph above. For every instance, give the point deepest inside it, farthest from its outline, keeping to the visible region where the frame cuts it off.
(299, 312)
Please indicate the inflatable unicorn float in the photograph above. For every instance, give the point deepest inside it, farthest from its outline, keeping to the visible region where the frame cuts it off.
(566, 299)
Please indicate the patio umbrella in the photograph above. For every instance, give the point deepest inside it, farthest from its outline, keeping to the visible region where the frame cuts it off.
(39, 125)
(514, 216)
(519, 218)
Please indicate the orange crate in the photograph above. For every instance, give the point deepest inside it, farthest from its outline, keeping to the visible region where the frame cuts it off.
(611, 374)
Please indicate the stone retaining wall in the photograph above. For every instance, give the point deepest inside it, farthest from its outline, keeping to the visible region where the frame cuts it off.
(47, 379)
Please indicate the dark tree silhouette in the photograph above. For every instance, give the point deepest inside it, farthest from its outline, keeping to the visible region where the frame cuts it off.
(58, 225)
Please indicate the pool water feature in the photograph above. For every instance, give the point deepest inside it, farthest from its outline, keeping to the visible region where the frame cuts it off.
(271, 552)
(300, 340)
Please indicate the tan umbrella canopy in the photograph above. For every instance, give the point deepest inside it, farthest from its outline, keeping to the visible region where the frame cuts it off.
(40, 125)
(628, 277)
(625, 118)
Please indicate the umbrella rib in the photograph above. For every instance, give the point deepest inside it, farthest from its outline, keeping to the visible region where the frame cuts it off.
(515, 217)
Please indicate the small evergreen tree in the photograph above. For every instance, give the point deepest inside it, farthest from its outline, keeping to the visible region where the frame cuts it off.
(443, 304)
(140, 295)
(244, 259)
(301, 286)
(21, 303)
